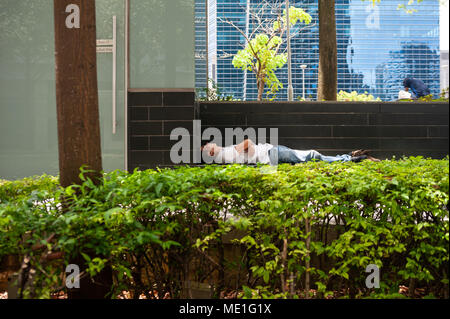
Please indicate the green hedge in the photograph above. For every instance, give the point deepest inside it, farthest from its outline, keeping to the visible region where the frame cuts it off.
(157, 228)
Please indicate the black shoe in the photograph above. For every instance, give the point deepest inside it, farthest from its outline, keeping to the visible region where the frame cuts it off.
(357, 159)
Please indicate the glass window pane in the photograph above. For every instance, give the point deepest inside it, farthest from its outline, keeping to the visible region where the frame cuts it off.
(28, 134)
(162, 40)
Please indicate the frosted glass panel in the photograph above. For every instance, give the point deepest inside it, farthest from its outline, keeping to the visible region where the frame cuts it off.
(28, 127)
(162, 39)
(28, 134)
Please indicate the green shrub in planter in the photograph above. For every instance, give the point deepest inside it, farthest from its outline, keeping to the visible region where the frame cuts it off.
(355, 96)
(161, 229)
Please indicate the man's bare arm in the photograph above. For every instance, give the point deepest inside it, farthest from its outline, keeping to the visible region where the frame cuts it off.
(247, 146)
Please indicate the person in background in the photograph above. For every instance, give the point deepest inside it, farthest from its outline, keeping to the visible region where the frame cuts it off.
(418, 88)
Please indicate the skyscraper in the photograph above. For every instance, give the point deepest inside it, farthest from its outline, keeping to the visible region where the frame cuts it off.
(378, 46)
(200, 43)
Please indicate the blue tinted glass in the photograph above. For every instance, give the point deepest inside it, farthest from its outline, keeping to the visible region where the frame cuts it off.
(377, 48)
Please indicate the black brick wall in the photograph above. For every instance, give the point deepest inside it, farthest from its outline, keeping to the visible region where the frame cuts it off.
(389, 129)
(151, 118)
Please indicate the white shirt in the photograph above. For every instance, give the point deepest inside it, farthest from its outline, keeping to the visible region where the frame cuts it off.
(261, 154)
(402, 95)
(229, 155)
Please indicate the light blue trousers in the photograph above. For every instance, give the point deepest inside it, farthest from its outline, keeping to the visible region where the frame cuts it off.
(282, 154)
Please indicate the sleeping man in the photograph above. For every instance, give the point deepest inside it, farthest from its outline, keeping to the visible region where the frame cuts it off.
(248, 152)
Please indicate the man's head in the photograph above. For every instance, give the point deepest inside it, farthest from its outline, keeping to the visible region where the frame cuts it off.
(407, 83)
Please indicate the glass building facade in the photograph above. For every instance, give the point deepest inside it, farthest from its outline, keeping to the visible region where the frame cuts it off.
(378, 46)
(200, 44)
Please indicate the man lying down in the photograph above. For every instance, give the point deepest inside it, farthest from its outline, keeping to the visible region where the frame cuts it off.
(248, 152)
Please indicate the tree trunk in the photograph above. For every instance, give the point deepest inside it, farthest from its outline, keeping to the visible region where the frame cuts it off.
(260, 84)
(77, 92)
(327, 88)
(78, 114)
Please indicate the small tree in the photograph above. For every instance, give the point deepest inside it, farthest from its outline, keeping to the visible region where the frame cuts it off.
(261, 54)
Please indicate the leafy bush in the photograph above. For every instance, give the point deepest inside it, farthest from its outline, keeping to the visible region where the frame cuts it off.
(307, 230)
(14, 190)
(444, 94)
(355, 96)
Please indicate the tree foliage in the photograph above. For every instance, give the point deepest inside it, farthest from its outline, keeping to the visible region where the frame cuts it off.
(355, 96)
(261, 54)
